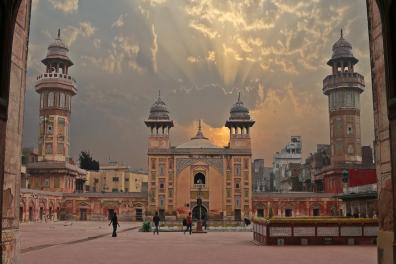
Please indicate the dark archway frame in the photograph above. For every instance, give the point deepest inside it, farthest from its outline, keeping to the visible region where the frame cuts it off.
(8, 13)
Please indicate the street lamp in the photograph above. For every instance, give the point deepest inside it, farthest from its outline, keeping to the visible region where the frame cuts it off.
(199, 203)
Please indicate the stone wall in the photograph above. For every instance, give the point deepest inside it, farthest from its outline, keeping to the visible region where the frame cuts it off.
(381, 127)
(12, 164)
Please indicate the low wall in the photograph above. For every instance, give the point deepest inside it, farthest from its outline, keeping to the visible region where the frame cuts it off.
(311, 231)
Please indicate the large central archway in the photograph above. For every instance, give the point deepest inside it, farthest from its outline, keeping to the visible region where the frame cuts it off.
(199, 212)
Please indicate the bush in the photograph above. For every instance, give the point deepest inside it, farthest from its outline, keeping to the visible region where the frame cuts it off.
(146, 227)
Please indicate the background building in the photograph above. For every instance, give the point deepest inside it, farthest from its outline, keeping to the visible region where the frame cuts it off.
(291, 153)
(115, 178)
(261, 176)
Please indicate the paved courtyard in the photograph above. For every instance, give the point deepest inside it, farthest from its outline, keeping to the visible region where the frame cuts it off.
(91, 242)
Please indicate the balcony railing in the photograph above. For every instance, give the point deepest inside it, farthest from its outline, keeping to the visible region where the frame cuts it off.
(55, 75)
(199, 186)
(343, 79)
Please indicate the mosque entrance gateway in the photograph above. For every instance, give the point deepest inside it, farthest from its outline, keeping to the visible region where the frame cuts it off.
(199, 210)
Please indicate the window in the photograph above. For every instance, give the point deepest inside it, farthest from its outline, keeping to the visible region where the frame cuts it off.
(60, 148)
(170, 193)
(349, 129)
(238, 170)
(161, 201)
(260, 212)
(199, 178)
(114, 190)
(61, 125)
(316, 211)
(46, 182)
(288, 212)
(238, 201)
(350, 149)
(49, 128)
(115, 179)
(57, 182)
(62, 100)
(161, 184)
(153, 164)
(126, 190)
(126, 179)
(237, 185)
(48, 148)
(162, 169)
(67, 99)
(51, 99)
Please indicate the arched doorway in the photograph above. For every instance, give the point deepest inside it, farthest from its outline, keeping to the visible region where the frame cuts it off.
(199, 178)
(199, 212)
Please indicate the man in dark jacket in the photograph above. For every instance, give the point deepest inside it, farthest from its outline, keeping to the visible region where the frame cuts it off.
(115, 223)
(189, 223)
(156, 220)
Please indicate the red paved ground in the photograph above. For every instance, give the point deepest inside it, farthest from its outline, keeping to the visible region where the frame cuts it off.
(142, 248)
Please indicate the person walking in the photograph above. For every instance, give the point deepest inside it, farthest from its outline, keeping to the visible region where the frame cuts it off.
(115, 223)
(189, 223)
(156, 220)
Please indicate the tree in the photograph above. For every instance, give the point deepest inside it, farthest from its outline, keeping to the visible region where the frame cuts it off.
(87, 162)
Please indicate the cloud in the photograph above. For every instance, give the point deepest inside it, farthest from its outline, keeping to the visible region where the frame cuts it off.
(87, 29)
(122, 55)
(192, 59)
(96, 43)
(66, 6)
(211, 56)
(206, 31)
(154, 49)
(71, 33)
(120, 21)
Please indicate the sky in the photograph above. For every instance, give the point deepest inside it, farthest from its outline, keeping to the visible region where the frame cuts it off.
(200, 54)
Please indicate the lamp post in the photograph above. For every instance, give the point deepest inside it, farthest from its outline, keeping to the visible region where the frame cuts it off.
(345, 179)
(199, 203)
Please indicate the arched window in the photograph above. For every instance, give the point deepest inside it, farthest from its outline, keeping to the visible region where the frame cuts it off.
(199, 178)
(41, 100)
(62, 100)
(51, 97)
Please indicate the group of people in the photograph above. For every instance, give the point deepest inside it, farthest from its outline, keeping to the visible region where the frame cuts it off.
(187, 222)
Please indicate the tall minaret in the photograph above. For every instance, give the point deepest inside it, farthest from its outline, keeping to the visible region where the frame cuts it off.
(343, 88)
(56, 88)
(239, 124)
(159, 124)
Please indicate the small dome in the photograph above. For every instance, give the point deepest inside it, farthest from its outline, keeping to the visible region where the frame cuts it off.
(239, 111)
(158, 110)
(58, 50)
(342, 49)
(199, 141)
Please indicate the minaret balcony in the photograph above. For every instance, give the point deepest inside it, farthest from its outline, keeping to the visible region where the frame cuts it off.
(56, 80)
(343, 80)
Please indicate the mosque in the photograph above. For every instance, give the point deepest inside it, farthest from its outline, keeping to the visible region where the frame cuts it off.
(211, 181)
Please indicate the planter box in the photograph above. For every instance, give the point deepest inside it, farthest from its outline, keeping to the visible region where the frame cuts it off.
(315, 231)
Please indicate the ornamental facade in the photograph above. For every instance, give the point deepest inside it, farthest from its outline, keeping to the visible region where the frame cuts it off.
(211, 181)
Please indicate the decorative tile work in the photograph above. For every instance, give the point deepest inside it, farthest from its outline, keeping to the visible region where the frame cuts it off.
(280, 231)
(304, 231)
(328, 231)
(182, 163)
(351, 231)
